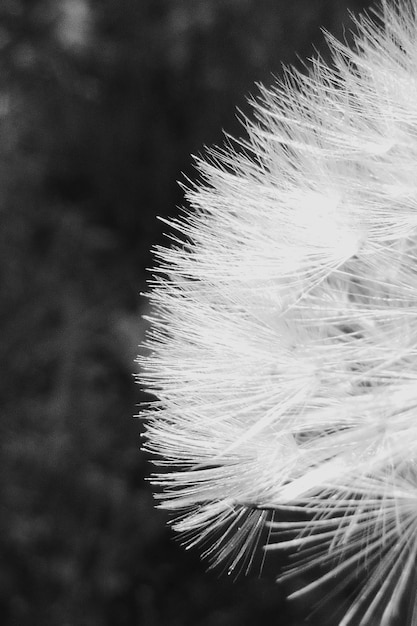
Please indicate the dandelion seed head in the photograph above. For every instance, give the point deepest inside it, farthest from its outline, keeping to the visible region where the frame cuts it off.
(283, 341)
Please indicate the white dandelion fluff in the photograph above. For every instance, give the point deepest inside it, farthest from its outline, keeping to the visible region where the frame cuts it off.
(283, 341)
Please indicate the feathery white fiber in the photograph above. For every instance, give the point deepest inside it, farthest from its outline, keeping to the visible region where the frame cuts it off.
(283, 342)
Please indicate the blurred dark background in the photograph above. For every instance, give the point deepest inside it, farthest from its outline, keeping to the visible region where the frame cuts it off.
(101, 104)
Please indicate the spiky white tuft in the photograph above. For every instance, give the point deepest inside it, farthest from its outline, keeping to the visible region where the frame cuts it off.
(283, 342)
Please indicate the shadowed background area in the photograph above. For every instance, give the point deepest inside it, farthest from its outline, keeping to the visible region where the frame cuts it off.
(101, 104)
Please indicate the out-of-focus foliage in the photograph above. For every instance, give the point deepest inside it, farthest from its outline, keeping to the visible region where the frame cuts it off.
(101, 103)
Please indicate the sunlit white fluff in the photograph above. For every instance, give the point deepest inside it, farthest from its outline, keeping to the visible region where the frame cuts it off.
(283, 342)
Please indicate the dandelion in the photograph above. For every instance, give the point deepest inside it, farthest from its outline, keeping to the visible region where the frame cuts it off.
(283, 341)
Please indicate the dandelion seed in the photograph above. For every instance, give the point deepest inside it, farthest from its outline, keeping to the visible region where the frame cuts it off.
(283, 341)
